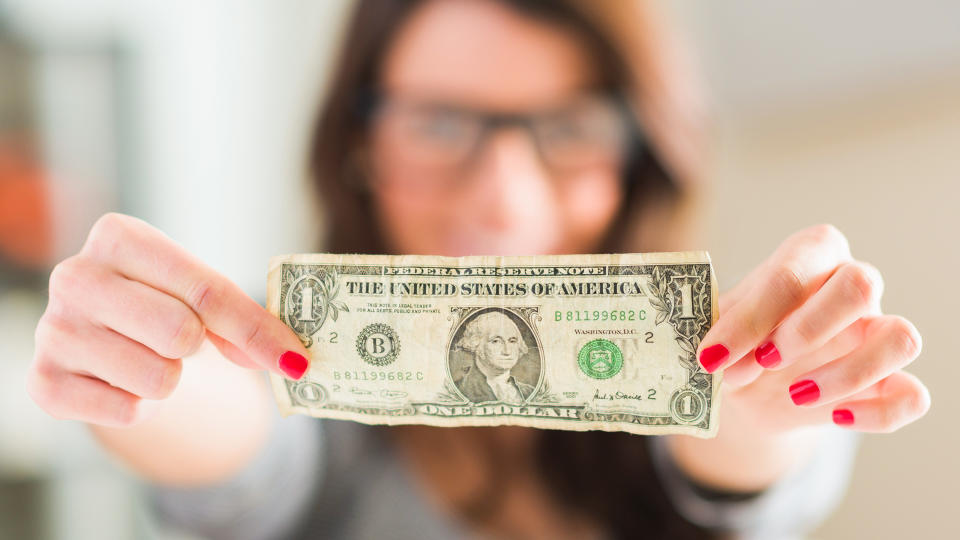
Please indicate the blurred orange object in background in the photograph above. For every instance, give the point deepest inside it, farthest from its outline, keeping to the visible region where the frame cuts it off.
(26, 228)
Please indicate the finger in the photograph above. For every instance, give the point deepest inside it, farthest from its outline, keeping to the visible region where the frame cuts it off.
(130, 308)
(747, 372)
(734, 295)
(70, 396)
(742, 372)
(891, 343)
(851, 292)
(900, 399)
(795, 271)
(144, 254)
(234, 354)
(117, 360)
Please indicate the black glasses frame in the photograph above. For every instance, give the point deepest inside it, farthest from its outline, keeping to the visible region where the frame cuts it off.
(368, 102)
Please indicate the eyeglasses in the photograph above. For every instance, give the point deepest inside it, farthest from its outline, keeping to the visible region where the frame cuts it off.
(589, 130)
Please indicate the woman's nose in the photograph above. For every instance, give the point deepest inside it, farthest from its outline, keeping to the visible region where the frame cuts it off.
(510, 181)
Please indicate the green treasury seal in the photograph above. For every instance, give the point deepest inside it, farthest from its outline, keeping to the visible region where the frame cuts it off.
(600, 359)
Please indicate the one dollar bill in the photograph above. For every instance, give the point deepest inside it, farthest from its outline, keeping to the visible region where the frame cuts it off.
(576, 342)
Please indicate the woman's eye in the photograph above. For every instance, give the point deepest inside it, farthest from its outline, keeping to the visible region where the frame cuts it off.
(563, 129)
(442, 125)
(578, 125)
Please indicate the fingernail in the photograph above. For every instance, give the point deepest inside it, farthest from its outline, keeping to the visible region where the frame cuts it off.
(767, 355)
(842, 417)
(805, 391)
(713, 356)
(293, 364)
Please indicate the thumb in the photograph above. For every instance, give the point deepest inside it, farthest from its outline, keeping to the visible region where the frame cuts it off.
(232, 352)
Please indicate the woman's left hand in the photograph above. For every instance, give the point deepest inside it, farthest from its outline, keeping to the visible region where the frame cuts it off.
(802, 341)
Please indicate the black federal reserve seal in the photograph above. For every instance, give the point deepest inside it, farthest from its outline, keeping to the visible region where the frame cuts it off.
(378, 345)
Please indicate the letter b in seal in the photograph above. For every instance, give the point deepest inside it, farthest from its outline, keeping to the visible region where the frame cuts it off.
(378, 345)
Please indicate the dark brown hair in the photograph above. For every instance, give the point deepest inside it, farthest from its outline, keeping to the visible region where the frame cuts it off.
(607, 476)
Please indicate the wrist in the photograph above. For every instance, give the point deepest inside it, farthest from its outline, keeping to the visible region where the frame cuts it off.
(743, 457)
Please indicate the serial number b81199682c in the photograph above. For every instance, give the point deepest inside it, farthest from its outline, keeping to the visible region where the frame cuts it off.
(600, 315)
(368, 375)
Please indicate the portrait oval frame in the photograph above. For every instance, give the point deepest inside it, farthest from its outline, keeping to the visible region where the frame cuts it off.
(524, 317)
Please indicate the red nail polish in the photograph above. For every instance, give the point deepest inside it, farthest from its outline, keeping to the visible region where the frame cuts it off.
(293, 364)
(842, 417)
(767, 355)
(713, 356)
(805, 391)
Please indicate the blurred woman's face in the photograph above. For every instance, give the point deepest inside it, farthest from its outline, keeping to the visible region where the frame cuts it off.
(488, 139)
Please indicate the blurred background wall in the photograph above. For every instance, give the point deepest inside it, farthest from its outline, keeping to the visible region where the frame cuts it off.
(193, 116)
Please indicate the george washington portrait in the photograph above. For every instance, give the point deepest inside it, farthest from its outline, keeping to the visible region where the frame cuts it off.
(494, 357)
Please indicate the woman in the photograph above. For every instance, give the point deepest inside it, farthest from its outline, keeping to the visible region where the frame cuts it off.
(482, 127)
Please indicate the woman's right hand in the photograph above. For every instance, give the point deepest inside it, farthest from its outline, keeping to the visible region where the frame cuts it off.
(125, 310)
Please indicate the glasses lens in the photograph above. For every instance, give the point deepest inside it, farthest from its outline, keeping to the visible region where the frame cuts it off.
(589, 132)
(431, 135)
